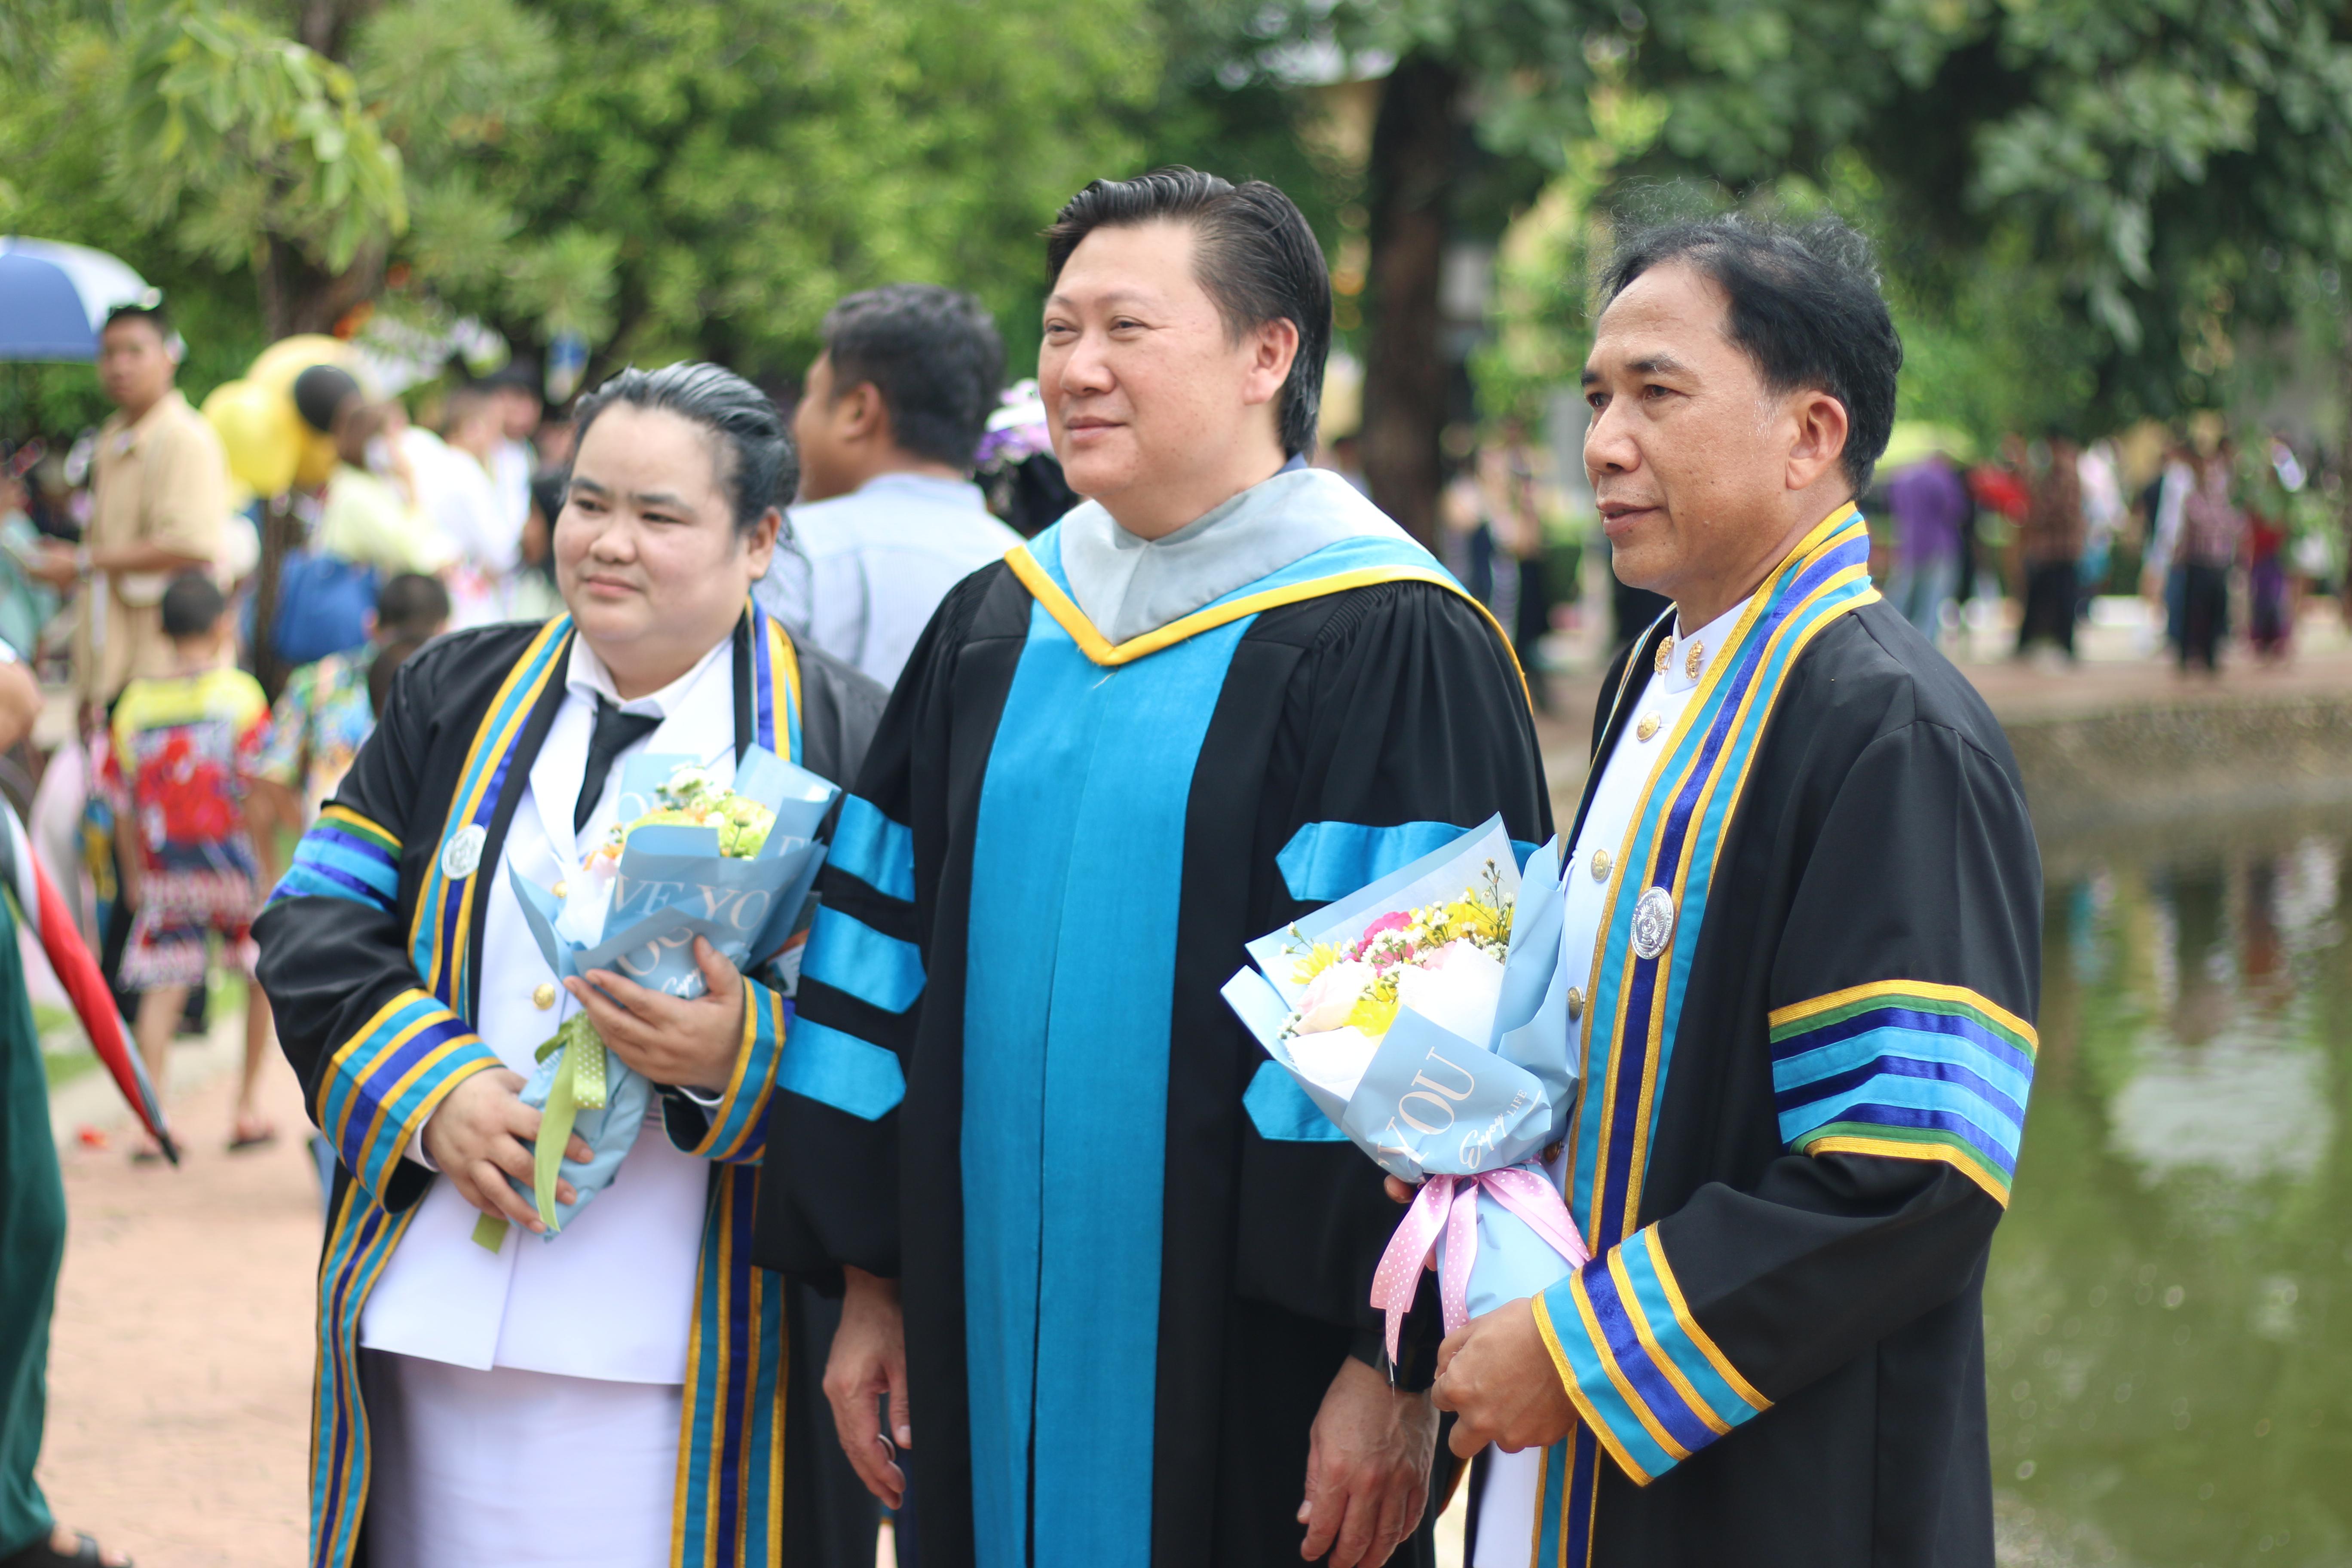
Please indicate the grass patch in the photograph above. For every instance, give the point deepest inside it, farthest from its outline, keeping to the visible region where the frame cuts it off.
(65, 1050)
(66, 1058)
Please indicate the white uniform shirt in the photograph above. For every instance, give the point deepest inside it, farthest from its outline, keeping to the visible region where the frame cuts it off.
(1507, 1509)
(613, 1296)
(859, 576)
(511, 466)
(459, 494)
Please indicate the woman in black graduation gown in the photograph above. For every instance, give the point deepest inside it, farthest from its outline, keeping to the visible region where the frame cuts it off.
(409, 1004)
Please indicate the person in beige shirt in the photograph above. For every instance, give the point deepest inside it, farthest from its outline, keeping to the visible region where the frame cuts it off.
(161, 504)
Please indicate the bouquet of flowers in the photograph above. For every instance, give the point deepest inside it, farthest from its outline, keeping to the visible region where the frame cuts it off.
(689, 858)
(1445, 961)
(1427, 1017)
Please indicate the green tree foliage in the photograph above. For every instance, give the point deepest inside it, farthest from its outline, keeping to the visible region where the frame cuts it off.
(2105, 195)
(663, 177)
(748, 164)
(233, 131)
(61, 83)
(246, 146)
(2164, 173)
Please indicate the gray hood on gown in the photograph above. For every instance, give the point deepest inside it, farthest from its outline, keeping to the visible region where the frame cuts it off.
(1128, 586)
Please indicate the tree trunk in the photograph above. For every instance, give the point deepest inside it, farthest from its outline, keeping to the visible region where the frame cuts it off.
(281, 533)
(2344, 491)
(297, 297)
(1414, 142)
(324, 26)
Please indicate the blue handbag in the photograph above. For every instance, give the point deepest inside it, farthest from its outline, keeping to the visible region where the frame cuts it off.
(323, 606)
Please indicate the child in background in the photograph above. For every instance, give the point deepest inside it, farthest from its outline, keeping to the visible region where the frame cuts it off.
(180, 770)
(325, 711)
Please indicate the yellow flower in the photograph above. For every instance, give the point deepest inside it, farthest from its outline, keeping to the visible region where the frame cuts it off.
(1470, 916)
(1376, 1012)
(1319, 957)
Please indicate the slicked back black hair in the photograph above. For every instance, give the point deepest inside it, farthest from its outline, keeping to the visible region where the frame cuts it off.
(1257, 258)
(758, 467)
(1804, 304)
(933, 354)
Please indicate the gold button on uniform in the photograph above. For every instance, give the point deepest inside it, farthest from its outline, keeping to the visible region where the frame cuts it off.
(1666, 656)
(1692, 659)
(1575, 1003)
(562, 889)
(1601, 865)
(1646, 728)
(544, 997)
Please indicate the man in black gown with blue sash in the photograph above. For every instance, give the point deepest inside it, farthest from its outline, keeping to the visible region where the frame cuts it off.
(1136, 1260)
(1814, 932)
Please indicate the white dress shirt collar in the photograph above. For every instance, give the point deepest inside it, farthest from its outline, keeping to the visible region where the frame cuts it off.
(1711, 639)
(585, 675)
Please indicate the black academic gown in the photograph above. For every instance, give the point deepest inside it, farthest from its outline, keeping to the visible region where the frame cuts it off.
(1194, 1246)
(372, 996)
(1779, 1358)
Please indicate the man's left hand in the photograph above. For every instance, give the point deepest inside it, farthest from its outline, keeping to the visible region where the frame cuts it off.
(691, 1044)
(1366, 1469)
(1497, 1376)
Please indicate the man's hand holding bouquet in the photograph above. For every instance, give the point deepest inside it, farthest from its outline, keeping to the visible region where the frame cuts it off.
(690, 862)
(1426, 1016)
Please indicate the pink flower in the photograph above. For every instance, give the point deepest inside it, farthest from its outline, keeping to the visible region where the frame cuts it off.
(1395, 920)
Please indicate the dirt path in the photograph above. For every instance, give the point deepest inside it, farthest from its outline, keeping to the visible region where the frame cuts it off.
(180, 1359)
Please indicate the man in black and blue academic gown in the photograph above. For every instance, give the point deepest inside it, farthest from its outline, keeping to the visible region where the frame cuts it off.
(1134, 1261)
(1805, 886)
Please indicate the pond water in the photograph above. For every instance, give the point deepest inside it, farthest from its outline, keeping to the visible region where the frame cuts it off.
(2169, 1312)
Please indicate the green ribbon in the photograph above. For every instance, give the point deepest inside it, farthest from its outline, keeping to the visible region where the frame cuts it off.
(580, 1084)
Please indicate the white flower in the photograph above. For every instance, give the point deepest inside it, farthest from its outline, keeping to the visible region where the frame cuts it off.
(1458, 988)
(1331, 996)
(1333, 1059)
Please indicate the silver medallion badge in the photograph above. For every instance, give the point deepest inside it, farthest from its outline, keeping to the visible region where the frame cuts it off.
(1654, 922)
(463, 854)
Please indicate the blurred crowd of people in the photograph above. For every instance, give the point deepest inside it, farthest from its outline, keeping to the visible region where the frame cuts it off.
(2218, 539)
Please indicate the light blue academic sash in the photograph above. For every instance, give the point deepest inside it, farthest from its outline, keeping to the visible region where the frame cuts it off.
(1077, 880)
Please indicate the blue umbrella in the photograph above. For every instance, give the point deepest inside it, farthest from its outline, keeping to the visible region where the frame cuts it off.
(55, 297)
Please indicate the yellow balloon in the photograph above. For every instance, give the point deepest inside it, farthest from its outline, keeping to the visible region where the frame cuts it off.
(318, 459)
(286, 358)
(260, 431)
(277, 368)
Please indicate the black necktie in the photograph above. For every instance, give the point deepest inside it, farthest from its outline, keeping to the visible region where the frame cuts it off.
(616, 732)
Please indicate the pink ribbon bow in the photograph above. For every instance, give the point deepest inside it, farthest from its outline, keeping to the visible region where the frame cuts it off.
(1449, 1204)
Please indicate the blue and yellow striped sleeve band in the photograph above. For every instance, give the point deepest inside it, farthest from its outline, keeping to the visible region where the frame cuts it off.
(858, 961)
(344, 856)
(1909, 1070)
(1640, 1372)
(875, 850)
(738, 1124)
(382, 1083)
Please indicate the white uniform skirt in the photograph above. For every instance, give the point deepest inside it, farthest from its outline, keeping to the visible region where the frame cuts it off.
(507, 1468)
